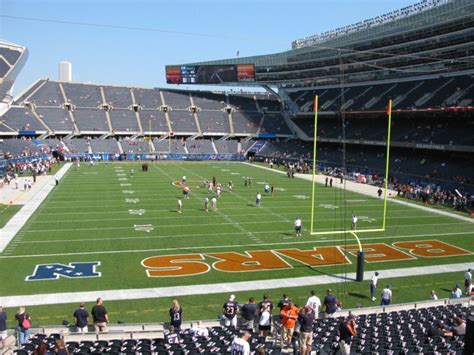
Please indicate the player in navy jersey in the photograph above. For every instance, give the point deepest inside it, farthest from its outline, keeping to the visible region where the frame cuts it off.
(176, 313)
(229, 310)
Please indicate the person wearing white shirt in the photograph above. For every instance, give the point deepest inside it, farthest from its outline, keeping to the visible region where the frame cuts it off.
(314, 302)
(180, 205)
(298, 225)
(434, 296)
(456, 293)
(467, 280)
(354, 222)
(199, 330)
(214, 204)
(240, 346)
(373, 286)
(386, 296)
(258, 199)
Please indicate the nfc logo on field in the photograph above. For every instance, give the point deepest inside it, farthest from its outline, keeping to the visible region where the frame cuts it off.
(71, 271)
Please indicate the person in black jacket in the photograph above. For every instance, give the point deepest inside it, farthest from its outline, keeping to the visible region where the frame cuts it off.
(347, 329)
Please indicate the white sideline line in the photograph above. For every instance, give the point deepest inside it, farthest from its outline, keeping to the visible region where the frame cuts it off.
(8, 232)
(211, 247)
(394, 200)
(226, 287)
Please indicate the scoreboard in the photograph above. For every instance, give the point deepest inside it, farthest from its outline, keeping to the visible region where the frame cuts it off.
(210, 74)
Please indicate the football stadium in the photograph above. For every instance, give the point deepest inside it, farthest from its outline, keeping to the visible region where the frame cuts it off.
(316, 200)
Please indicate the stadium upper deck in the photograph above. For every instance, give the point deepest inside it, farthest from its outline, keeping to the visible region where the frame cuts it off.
(437, 40)
(12, 59)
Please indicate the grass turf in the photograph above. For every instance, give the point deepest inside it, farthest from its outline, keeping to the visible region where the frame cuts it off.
(87, 218)
(7, 212)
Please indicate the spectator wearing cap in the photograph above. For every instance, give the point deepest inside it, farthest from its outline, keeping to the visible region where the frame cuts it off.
(229, 311)
(289, 315)
(386, 296)
(468, 280)
(373, 286)
(347, 330)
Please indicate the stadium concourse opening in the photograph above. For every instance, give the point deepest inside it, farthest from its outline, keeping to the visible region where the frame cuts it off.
(170, 205)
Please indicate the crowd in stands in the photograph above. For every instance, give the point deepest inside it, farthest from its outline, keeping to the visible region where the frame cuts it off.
(431, 194)
(301, 329)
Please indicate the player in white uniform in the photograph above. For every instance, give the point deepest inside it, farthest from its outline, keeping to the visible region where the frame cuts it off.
(206, 204)
(267, 188)
(180, 205)
(354, 222)
(258, 199)
(214, 204)
(183, 180)
(298, 225)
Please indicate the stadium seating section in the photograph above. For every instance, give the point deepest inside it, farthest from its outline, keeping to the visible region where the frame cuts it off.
(395, 332)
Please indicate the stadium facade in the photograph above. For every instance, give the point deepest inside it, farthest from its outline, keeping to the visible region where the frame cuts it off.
(420, 56)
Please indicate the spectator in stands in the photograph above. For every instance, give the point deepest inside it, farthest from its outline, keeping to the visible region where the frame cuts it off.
(330, 303)
(200, 330)
(229, 311)
(249, 314)
(81, 315)
(240, 345)
(467, 280)
(456, 292)
(314, 302)
(176, 313)
(23, 328)
(3, 327)
(433, 296)
(100, 316)
(60, 348)
(373, 286)
(459, 326)
(438, 330)
(306, 318)
(289, 315)
(347, 330)
(283, 302)
(172, 337)
(264, 322)
(386, 296)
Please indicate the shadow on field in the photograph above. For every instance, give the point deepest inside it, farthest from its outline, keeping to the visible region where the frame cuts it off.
(358, 295)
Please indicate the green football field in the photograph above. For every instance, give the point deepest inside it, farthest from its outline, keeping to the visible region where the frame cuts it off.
(129, 224)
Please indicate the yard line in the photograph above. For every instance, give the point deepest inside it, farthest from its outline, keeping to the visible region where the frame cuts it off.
(400, 202)
(213, 224)
(229, 220)
(226, 287)
(427, 236)
(134, 218)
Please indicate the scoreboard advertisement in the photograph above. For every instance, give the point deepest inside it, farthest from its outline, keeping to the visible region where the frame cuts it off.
(210, 74)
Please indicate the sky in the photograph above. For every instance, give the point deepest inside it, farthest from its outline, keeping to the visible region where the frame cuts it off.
(150, 34)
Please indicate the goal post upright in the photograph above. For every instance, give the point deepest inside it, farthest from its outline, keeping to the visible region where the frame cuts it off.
(314, 160)
(387, 162)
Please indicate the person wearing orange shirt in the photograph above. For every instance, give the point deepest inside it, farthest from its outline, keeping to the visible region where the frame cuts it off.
(289, 315)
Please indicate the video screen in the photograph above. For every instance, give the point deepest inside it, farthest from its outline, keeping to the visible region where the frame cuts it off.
(210, 74)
